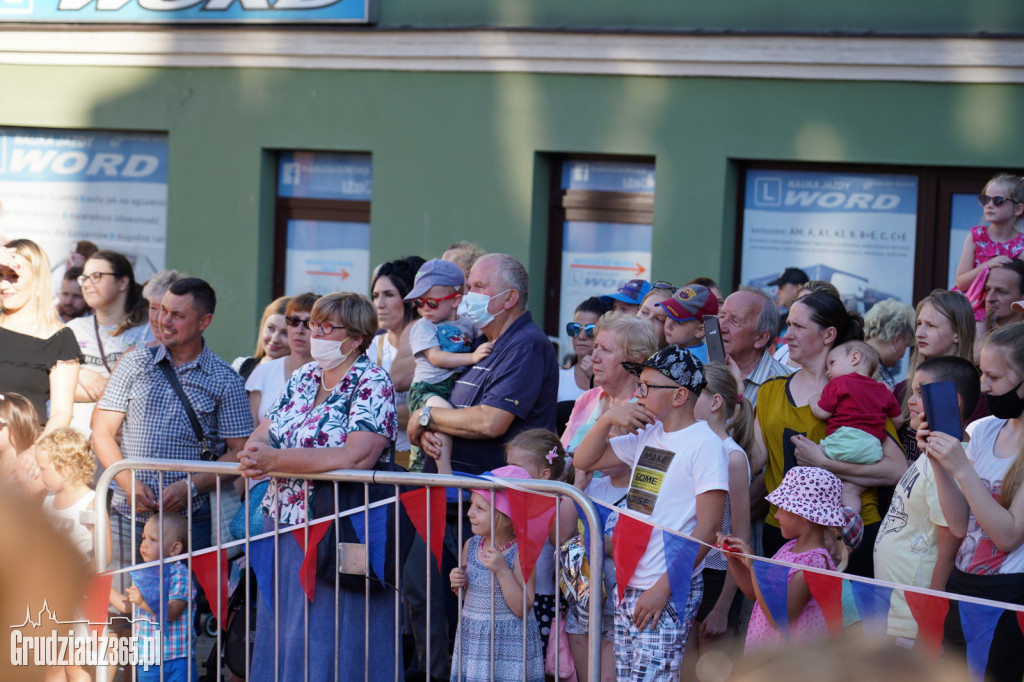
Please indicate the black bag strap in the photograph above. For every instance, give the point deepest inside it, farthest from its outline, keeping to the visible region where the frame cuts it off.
(172, 379)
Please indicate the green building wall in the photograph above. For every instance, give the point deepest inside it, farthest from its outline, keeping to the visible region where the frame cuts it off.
(462, 155)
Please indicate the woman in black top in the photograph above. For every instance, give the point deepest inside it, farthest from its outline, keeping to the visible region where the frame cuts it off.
(39, 357)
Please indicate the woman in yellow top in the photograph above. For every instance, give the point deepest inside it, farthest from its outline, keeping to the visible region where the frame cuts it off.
(787, 434)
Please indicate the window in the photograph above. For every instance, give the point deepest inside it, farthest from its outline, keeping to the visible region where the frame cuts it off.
(322, 223)
(599, 234)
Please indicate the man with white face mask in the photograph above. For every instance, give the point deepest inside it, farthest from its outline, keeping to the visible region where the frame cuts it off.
(513, 389)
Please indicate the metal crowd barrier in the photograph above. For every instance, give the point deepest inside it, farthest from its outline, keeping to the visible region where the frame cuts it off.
(226, 474)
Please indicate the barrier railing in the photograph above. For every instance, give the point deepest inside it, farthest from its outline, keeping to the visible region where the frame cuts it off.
(214, 559)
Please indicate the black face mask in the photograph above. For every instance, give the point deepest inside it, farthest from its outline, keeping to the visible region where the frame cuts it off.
(1009, 405)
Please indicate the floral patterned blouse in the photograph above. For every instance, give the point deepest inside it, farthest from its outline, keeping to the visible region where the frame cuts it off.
(363, 401)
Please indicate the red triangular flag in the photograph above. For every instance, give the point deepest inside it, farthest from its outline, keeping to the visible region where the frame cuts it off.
(827, 590)
(629, 543)
(415, 502)
(97, 598)
(307, 572)
(1020, 620)
(532, 515)
(930, 614)
(209, 574)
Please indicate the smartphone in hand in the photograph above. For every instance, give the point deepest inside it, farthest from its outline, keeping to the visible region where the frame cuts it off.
(942, 409)
(713, 337)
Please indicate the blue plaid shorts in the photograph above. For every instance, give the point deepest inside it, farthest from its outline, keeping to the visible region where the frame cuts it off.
(654, 654)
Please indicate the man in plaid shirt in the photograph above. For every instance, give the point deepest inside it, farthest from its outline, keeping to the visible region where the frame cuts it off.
(156, 423)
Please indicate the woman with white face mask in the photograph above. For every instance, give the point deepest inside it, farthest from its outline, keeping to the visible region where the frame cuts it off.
(337, 412)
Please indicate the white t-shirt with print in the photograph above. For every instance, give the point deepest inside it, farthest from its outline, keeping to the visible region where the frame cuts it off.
(978, 554)
(669, 470)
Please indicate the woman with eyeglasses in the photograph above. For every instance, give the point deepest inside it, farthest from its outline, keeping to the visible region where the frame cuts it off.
(120, 321)
(998, 242)
(39, 357)
(577, 374)
(335, 413)
(267, 381)
(618, 338)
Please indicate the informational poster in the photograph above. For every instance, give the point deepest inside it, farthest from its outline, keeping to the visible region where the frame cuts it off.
(598, 258)
(325, 175)
(854, 230)
(325, 256)
(60, 187)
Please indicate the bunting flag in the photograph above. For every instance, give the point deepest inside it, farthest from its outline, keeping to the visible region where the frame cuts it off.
(148, 581)
(603, 512)
(1020, 620)
(979, 625)
(872, 605)
(97, 599)
(210, 574)
(628, 544)
(415, 502)
(774, 583)
(376, 547)
(930, 613)
(532, 515)
(261, 560)
(307, 572)
(827, 590)
(680, 555)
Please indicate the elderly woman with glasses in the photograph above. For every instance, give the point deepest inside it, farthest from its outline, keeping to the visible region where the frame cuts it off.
(336, 413)
(618, 338)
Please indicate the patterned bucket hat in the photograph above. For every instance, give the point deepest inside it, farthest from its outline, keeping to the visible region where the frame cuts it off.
(813, 493)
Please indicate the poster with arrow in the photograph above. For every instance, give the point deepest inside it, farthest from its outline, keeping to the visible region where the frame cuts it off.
(327, 256)
(597, 258)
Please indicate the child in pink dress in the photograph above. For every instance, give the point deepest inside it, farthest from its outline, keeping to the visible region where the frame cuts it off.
(809, 507)
(998, 241)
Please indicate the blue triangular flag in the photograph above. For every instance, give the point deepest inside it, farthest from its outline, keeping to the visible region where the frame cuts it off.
(377, 547)
(261, 560)
(774, 582)
(872, 605)
(979, 624)
(148, 581)
(680, 554)
(602, 512)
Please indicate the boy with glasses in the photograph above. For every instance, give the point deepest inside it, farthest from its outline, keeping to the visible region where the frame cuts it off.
(441, 340)
(679, 481)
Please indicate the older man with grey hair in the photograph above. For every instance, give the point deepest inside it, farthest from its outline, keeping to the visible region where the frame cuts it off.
(513, 389)
(749, 319)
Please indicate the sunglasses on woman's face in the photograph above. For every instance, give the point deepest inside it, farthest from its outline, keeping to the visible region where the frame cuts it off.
(573, 329)
(431, 302)
(296, 321)
(983, 200)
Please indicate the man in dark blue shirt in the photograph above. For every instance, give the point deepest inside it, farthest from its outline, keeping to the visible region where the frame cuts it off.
(513, 389)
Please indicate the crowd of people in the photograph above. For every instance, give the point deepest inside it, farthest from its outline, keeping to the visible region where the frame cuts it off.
(798, 444)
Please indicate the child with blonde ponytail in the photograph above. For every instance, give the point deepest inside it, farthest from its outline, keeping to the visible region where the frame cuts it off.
(731, 417)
